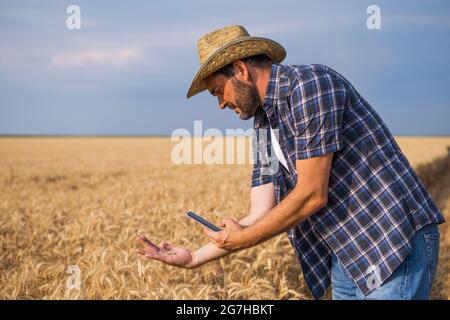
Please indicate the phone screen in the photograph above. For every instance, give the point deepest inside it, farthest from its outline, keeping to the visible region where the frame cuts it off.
(204, 222)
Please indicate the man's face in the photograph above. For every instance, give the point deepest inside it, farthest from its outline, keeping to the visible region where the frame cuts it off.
(240, 96)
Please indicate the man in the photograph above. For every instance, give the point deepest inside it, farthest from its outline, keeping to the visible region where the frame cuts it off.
(356, 214)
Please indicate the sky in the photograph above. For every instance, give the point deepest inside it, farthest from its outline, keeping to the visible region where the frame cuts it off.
(127, 70)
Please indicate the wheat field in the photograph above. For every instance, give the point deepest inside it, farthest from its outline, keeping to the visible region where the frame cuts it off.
(82, 201)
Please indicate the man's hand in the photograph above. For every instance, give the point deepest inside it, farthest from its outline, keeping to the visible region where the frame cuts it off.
(230, 238)
(167, 253)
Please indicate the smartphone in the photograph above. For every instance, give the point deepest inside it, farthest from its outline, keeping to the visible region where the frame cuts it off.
(204, 222)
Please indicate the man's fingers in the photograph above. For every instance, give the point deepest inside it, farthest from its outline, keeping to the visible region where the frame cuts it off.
(146, 253)
(228, 221)
(141, 252)
(210, 233)
(214, 236)
(147, 244)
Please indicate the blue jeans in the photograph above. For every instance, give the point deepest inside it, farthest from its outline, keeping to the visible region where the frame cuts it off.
(412, 280)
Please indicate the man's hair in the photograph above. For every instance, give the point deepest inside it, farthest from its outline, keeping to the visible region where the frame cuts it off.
(260, 61)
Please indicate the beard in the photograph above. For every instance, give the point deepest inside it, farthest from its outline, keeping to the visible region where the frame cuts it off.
(247, 98)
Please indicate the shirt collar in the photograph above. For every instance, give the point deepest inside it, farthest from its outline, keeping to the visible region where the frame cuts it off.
(270, 98)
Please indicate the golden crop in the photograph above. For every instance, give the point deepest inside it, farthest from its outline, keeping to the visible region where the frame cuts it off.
(83, 201)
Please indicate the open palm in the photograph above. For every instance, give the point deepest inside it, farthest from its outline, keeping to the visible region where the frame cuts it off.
(166, 252)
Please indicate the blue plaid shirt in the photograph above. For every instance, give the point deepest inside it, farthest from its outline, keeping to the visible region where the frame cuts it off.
(376, 202)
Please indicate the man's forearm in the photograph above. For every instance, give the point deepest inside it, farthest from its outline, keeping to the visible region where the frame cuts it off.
(296, 207)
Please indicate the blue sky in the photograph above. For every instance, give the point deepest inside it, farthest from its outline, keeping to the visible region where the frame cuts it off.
(126, 72)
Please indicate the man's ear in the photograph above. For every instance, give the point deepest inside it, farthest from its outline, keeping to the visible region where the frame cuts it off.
(241, 71)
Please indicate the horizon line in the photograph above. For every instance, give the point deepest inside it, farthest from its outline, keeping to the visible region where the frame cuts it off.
(158, 135)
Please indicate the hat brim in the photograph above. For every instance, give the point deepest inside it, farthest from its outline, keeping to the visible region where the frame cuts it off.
(234, 50)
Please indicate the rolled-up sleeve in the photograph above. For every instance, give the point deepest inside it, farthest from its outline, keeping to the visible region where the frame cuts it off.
(318, 104)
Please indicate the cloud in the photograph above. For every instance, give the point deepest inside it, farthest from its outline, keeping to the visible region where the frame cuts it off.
(117, 58)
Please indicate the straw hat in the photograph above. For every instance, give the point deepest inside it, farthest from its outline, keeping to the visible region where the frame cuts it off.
(224, 46)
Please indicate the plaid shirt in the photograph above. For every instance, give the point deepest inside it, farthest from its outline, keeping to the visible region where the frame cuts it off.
(376, 202)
